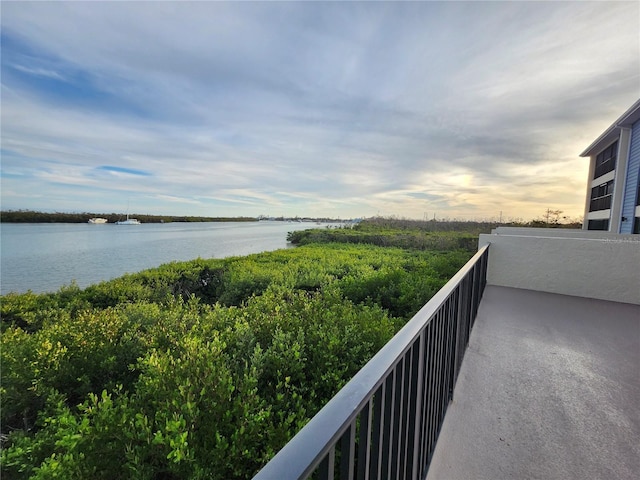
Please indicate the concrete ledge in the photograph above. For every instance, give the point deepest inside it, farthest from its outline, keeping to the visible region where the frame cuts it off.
(574, 262)
(564, 233)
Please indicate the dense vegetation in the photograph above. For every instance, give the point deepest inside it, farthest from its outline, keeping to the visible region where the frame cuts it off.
(29, 216)
(200, 369)
(398, 227)
(388, 237)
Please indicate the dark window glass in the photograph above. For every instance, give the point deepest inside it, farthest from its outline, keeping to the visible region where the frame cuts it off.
(606, 160)
(598, 224)
(601, 197)
(636, 225)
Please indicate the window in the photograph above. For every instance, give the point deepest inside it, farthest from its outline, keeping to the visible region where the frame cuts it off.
(636, 225)
(599, 224)
(606, 160)
(601, 196)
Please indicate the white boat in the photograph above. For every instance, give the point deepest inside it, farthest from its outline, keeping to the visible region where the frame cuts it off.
(97, 220)
(129, 221)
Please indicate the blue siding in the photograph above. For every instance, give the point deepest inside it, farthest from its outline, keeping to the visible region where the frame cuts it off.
(633, 176)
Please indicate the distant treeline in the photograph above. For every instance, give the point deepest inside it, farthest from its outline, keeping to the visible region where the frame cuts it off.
(29, 216)
(366, 233)
(436, 235)
(395, 225)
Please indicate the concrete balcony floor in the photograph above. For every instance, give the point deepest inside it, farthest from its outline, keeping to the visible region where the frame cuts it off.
(549, 389)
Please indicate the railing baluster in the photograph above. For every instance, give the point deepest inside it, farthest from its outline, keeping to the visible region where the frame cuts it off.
(347, 452)
(440, 369)
(364, 442)
(451, 357)
(432, 383)
(388, 422)
(376, 444)
(416, 408)
(437, 375)
(406, 398)
(455, 323)
(411, 408)
(447, 358)
(397, 419)
(447, 353)
(425, 397)
(467, 311)
(327, 466)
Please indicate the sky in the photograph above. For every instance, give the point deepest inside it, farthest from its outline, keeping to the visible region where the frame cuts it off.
(458, 110)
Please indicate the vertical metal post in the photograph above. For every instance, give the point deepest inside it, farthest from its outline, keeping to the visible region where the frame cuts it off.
(404, 428)
(417, 423)
(364, 438)
(327, 466)
(376, 443)
(347, 452)
(397, 419)
(388, 422)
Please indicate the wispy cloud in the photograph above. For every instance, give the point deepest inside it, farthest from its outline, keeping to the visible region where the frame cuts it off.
(463, 109)
(40, 72)
(122, 171)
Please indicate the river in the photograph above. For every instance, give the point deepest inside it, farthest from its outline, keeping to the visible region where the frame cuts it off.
(43, 257)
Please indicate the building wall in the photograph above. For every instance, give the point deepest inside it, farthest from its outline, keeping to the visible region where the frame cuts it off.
(584, 264)
(620, 178)
(632, 179)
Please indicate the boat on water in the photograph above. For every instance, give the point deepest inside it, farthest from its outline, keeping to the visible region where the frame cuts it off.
(97, 220)
(129, 221)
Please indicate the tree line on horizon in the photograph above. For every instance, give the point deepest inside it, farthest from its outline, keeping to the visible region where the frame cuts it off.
(30, 216)
(550, 218)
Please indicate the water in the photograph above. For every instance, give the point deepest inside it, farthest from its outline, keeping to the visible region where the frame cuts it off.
(43, 257)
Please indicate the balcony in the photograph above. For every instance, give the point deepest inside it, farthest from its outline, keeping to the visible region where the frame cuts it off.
(600, 203)
(549, 386)
(605, 167)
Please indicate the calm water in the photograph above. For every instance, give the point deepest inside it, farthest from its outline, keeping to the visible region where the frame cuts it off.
(44, 257)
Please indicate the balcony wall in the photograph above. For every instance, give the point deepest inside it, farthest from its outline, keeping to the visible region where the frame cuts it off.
(581, 263)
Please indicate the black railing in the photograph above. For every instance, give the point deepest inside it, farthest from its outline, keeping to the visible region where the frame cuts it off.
(605, 167)
(600, 203)
(385, 422)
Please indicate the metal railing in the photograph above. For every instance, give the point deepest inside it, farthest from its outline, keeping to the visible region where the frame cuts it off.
(385, 422)
(600, 203)
(605, 167)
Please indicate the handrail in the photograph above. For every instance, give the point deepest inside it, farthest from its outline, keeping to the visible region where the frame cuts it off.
(385, 421)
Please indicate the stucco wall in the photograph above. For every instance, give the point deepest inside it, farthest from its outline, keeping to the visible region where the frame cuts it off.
(599, 266)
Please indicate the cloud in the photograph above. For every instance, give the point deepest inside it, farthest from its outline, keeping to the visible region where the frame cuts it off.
(349, 109)
(41, 72)
(121, 171)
